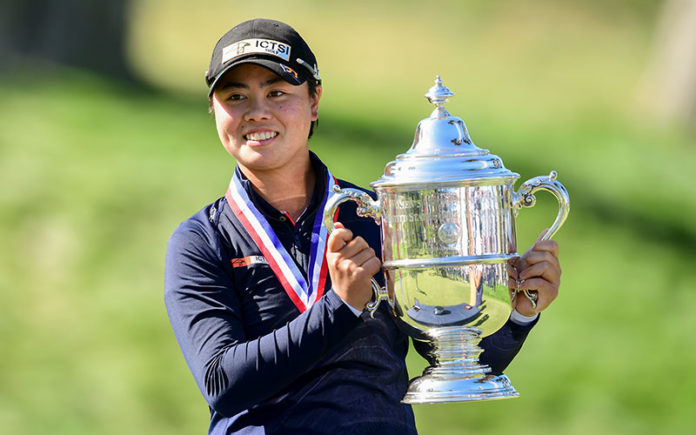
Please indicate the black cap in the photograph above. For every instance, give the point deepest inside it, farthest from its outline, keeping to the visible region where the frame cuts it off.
(268, 43)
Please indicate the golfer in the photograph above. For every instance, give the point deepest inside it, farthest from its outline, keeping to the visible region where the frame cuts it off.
(269, 313)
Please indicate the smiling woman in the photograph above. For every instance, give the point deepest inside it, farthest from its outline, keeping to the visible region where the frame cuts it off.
(266, 306)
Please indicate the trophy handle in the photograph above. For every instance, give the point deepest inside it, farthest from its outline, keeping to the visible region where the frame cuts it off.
(525, 198)
(366, 208)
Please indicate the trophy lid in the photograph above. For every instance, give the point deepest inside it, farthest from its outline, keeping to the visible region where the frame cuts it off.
(443, 153)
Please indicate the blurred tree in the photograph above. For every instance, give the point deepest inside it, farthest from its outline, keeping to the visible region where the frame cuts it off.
(82, 33)
(671, 82)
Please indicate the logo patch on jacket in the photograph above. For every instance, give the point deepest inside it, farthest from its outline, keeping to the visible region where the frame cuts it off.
(248, 261)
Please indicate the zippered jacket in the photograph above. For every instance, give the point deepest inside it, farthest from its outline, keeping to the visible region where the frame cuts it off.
(261, 364)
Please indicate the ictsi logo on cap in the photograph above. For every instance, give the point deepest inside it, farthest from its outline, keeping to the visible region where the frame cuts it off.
(262, 46)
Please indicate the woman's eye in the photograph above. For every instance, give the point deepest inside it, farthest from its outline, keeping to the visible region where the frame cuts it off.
(235, 97)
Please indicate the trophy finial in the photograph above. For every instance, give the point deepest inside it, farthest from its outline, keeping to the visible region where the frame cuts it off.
(439, 93)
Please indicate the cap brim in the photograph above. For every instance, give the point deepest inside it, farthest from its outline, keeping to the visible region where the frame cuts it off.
(283, 71)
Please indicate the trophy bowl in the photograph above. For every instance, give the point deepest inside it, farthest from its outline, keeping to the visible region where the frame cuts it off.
(447, 210)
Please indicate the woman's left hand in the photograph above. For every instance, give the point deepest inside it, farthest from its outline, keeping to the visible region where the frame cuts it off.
(537, 270)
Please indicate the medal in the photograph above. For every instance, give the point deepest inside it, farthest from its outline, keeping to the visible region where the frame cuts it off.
(302, 293)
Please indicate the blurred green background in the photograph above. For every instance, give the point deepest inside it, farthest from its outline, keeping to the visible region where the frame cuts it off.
(96, 172)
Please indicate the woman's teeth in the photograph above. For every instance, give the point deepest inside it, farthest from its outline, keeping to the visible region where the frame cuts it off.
(261, 136)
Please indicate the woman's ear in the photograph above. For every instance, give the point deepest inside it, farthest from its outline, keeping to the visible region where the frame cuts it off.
(315, 102)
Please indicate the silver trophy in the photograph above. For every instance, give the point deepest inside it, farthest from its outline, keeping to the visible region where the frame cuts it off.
(447, 212)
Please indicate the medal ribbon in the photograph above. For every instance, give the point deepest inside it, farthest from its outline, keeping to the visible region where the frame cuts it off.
(302, 293)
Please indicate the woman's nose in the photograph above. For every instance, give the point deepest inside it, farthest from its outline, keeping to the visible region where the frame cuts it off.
(257, 110)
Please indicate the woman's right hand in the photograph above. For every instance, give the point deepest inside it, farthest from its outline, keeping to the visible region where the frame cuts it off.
(352, 263)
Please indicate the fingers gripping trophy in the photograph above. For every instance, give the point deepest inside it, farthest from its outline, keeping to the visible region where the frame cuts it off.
(447, 213)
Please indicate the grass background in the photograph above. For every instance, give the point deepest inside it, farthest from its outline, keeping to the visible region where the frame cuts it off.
(95, 175)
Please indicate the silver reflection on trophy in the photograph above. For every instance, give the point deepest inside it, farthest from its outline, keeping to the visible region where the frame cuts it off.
(447, 213)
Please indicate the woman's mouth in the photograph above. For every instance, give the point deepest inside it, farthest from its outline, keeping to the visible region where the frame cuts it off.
(260, 136)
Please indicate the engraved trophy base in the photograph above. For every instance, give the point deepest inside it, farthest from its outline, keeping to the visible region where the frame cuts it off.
(457, 376)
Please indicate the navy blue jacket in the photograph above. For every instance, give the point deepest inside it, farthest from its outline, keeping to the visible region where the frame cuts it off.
(264, 367)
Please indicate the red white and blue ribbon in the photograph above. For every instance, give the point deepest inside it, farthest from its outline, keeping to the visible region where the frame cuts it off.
(302, 293)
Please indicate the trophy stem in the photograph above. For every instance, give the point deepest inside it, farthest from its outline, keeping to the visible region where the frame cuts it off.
(456, 375)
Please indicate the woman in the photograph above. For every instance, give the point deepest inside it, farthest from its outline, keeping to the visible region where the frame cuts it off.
(266, 308)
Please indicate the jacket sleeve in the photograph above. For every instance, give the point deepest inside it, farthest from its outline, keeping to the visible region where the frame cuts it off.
(499, 348)
(232, 371)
